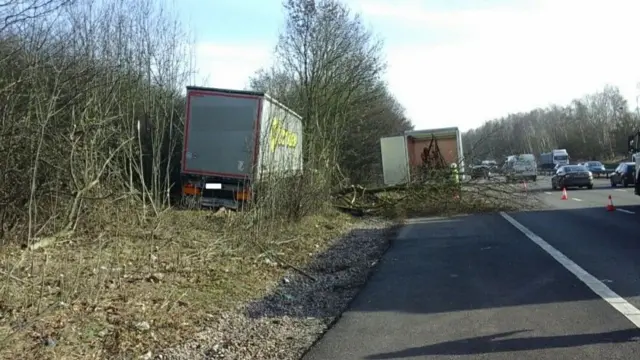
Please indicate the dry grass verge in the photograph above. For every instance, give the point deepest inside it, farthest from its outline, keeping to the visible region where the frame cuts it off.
(298, 309)
(195, 284)
(131, 291)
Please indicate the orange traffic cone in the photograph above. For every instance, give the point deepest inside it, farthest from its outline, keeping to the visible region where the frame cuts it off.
(564, 194)
(610, 206)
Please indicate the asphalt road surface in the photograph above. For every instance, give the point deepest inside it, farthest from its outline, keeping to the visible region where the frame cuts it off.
(559, 283)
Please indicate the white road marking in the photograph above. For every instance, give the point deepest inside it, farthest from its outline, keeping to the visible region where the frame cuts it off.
(616, 301)
(625, 211)
(576, 199)
(619, 190)
(548, 193)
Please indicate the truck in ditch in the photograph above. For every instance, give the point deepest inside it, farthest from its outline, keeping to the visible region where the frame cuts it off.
(406, 156)
(233, 140)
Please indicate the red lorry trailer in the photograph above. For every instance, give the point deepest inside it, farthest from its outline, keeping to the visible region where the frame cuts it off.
(233, 139)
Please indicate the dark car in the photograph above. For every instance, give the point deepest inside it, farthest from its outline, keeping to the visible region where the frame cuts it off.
(625, 175)
(596, 168)
(480, 172)
(572, 176)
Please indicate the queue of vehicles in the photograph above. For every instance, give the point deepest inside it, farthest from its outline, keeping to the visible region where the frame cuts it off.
(564, 174)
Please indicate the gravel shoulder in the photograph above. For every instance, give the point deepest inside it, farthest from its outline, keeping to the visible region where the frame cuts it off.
(298, 310)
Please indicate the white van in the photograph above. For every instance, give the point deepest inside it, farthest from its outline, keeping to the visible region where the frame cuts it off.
(521, 167)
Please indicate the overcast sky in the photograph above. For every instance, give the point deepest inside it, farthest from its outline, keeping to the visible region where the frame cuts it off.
(451, 63)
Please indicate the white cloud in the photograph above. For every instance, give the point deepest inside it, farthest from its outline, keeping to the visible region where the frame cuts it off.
(229, 66)
(509, 59)
(505, 59)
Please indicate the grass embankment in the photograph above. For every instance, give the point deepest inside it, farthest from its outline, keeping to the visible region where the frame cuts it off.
(124, 290)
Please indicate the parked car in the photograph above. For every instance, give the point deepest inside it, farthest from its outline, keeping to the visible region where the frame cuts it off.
(624, 175)
(596, 168)
(572, 176)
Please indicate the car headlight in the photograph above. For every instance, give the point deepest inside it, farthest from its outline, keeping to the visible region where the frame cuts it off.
(590, 174)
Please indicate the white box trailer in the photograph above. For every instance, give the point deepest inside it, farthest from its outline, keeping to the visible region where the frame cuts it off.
(401, 153)
(233, 139)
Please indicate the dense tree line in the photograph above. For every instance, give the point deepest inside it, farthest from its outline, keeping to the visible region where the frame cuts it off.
(593, 127)
(92, 107)
(92, 97)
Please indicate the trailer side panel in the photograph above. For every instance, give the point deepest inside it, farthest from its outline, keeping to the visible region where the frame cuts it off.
(280, 140)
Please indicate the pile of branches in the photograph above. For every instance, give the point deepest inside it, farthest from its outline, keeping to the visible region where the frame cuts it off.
(432, 198)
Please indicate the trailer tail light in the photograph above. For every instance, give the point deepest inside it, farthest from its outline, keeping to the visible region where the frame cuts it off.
(190, 189)
(244, 195)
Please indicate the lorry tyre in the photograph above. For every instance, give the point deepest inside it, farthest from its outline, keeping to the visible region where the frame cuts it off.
(589, 187)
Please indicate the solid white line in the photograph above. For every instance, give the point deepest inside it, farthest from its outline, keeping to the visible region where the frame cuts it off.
(616, 301)
(625, 211)
(576, 199)
(619, 190)
(548, 193)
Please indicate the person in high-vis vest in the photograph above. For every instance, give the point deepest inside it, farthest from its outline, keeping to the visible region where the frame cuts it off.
(455, 176)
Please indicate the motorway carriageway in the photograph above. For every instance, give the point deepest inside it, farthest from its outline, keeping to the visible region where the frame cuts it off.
(562, 282)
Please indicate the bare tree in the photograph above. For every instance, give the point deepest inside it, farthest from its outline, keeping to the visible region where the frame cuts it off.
(92, 110)
(329, 70)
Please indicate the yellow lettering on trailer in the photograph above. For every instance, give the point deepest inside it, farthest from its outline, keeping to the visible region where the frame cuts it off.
(280, 136)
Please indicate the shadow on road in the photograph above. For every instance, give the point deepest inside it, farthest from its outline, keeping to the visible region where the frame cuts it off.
(455, 264)
(327, 284)
(497, 343)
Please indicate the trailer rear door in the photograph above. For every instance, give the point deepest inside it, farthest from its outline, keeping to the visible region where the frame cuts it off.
(220, 133)
(395, 162)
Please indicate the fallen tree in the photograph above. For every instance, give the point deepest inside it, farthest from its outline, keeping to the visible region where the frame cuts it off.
(436, 197)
